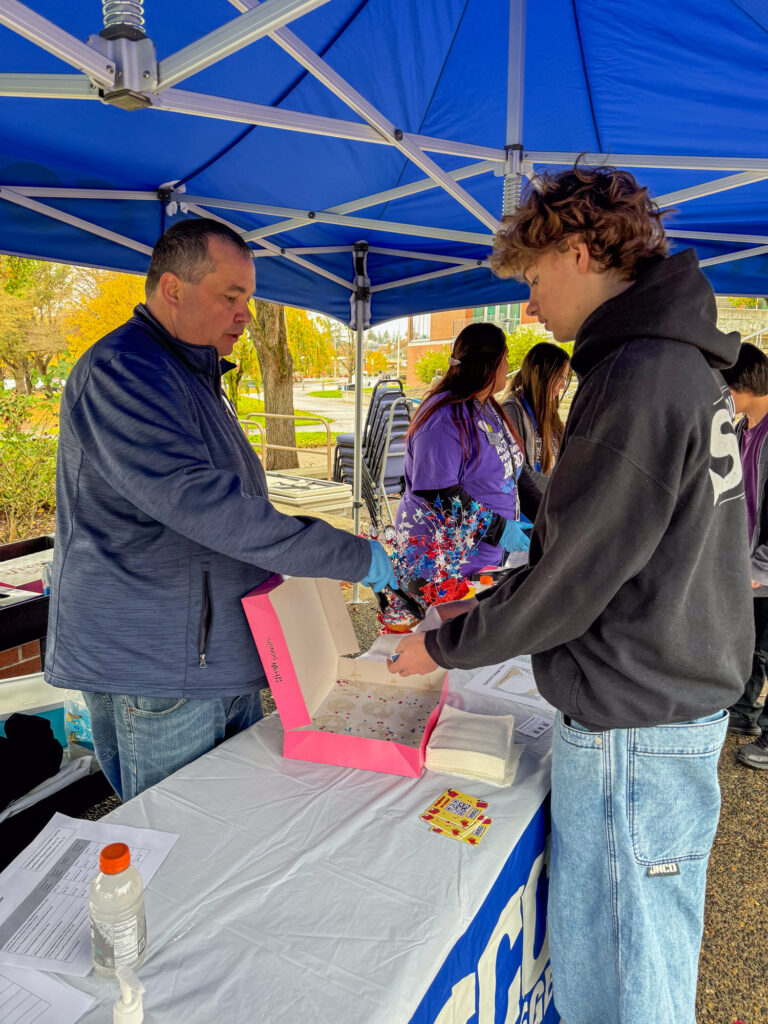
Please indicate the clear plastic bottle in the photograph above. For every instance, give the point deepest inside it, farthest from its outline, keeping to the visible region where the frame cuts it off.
(116, 908)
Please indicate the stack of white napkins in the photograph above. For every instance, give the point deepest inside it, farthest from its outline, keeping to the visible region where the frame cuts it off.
(474, 746)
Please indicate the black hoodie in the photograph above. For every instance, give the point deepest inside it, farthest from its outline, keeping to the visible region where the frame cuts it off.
(636, 604)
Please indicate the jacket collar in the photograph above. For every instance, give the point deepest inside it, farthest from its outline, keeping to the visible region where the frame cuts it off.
(200, 359)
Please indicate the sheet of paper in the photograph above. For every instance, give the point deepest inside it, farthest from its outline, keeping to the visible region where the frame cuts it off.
(44, 891)
(10, 597)
(15, 572)
(510, 681)
(534, 726)
(69, 773)
(29, 997)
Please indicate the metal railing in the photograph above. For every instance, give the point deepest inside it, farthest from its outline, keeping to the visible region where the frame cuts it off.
(759, 338)
(251, 421)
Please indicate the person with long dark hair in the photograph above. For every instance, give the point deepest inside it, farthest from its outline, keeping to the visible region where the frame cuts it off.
(462, 445)
(532, 402)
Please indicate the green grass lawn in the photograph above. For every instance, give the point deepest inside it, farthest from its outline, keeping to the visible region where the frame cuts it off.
(313, 439)
(247, 406)
(335, 393)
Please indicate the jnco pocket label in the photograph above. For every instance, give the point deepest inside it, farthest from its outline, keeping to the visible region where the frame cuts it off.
(656, 870)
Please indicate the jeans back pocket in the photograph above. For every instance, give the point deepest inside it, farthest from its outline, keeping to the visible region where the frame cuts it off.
(674, 795)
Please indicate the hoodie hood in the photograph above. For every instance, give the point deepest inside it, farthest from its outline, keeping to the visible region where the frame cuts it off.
(671, 301)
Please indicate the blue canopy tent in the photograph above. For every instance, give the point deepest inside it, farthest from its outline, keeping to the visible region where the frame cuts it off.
(366, 149)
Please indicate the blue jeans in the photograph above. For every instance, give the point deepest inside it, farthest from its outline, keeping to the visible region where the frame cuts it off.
(141, 740)
(634, 813)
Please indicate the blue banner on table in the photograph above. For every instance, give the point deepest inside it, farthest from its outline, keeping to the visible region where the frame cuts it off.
(498, 972)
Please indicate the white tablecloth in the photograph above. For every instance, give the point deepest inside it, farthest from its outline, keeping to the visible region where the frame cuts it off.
(304, 894)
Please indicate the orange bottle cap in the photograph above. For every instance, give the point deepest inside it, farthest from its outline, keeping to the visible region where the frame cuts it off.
(114, 858)
(486, 580)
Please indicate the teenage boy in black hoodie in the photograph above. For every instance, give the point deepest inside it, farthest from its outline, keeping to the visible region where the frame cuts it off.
(636, 603)
(748, 383)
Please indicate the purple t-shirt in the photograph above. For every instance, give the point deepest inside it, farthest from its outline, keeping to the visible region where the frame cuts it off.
(751, 443)
(487, 469)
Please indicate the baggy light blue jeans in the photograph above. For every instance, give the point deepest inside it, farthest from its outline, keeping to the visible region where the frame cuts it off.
(141, 740)
(634, 813)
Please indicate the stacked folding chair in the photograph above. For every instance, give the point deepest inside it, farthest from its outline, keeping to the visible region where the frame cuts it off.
(384, 433)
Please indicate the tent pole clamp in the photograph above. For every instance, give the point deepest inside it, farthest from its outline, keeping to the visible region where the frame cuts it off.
(135, 63)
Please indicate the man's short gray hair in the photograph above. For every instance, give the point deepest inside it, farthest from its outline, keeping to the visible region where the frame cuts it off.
(183, 250)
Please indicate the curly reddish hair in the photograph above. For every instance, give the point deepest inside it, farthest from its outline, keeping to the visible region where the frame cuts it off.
(615, 216)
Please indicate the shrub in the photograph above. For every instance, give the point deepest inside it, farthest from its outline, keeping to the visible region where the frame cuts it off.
(430, 363)
(27, 472)
(526, 337)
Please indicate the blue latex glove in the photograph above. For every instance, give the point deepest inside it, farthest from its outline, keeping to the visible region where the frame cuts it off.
(381, 573)
(514, 537)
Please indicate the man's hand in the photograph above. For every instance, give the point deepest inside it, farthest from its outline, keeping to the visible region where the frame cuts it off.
(411, 658)
(755, 584)
(451, 609)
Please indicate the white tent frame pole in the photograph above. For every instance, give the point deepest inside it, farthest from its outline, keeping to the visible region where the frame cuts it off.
(710, 188)
(310, 250)
(388, 195)
(395, 227)
(436, 257)
(651, 161)
(405, 281)
(273, 250)
(716, 236)
(515, 72)
(742, 254)
(386, 226)
(357, 468)
(77, 222)
(181, 101)
(46, 192)
(55, 40)
(324, 73)
(359, 262)
(319, 69)
(48, 87)
(234, 36)
(513, 171)
(51, 192)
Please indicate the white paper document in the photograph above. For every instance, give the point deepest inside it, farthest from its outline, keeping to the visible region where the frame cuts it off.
(44, 891)
(29, 997)
(534, 726)
(511, 681)
(26, 569)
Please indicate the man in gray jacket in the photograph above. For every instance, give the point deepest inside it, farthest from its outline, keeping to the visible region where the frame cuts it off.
(163, 523)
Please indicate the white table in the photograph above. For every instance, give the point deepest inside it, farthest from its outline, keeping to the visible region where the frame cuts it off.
(307, 894)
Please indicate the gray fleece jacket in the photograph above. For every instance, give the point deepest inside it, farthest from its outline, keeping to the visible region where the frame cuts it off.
(163, 524)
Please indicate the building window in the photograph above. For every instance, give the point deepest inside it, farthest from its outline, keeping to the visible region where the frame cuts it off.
(420, 327)
(506, 316)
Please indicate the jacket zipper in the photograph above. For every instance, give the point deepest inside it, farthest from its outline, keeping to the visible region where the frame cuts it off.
(206, 619)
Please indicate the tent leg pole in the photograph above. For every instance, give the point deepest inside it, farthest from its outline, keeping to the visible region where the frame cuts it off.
(513, 177)
(357, 483)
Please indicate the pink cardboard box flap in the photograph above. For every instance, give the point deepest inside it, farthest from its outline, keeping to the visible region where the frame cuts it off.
(336, 709)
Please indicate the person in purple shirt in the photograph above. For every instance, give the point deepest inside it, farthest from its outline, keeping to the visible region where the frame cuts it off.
(462, 445)
(747, 380)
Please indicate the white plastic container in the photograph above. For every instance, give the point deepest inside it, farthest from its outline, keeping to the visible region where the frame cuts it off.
(116, 908)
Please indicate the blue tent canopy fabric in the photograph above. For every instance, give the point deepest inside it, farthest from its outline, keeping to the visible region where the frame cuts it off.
(303, 155)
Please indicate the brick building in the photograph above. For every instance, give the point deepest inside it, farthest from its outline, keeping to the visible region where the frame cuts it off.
(434, 332)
